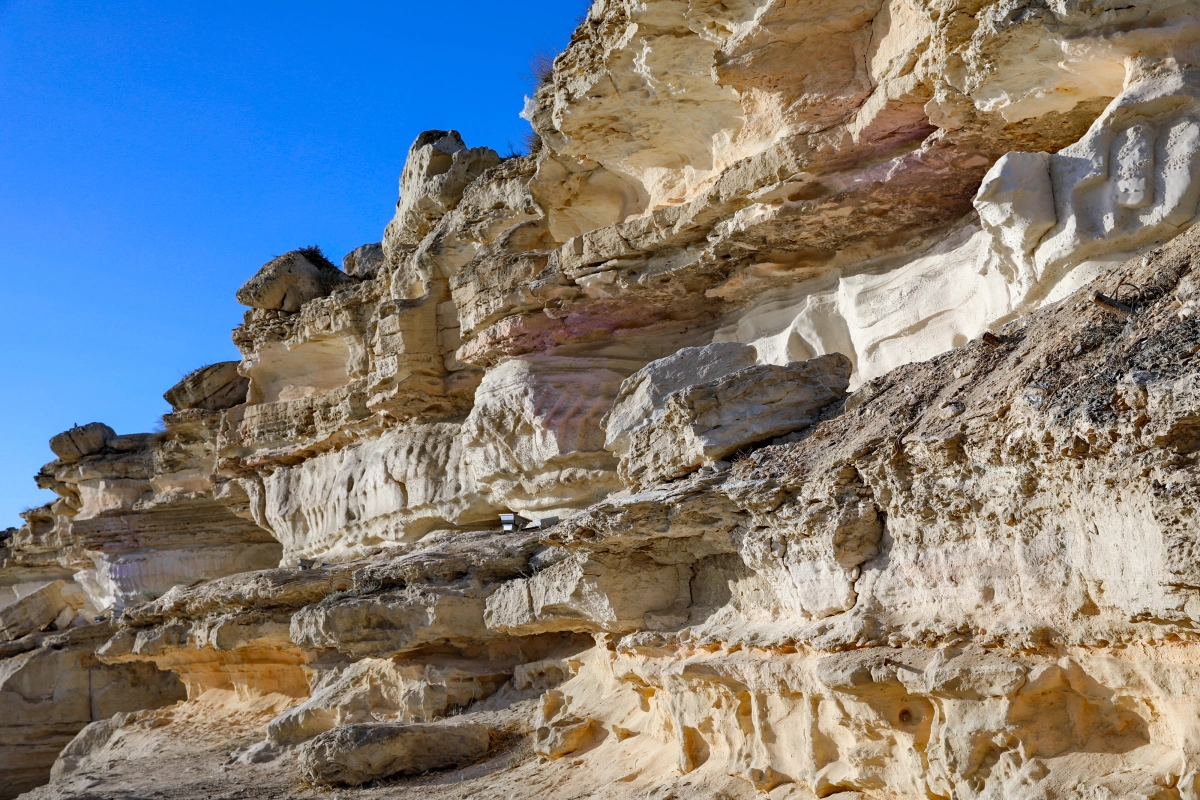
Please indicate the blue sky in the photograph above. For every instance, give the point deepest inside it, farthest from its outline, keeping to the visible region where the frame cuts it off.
(154, 154)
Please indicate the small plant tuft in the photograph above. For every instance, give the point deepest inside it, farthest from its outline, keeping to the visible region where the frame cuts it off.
(513, 151)
(541, 68)
(530, 145)
(313, 253)
(532, 142)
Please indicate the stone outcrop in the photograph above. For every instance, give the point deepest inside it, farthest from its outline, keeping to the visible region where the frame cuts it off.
(81, 440)
(142, 515)
(365, 261)
(230, 634)
(437, 172)
(642, 397)
(971, 577)
(289, 281)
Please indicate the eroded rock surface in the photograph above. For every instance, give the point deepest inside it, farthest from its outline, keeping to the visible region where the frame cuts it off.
(354, 754)
(972, 577)
(437, 172)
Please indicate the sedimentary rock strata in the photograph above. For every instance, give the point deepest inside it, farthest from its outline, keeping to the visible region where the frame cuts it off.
(841, 361)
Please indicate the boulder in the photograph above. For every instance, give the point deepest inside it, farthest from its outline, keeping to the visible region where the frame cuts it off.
(364, 261)
(355, 754)
(93, 737)
(706, 422)
(212, 388)
(611, 593)
(288, 282)
(565, 736)
(379, 690)
(81, 440)
(32, 612)
(533, 440)
(641, 399)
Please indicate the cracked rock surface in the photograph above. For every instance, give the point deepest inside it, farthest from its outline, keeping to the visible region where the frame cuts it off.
(844, 360)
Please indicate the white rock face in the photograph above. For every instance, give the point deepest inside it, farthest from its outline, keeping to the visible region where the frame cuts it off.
(388, 490)
(135, 517)
(1132, 181)
(1016, 208)
(905, 309)
(533, 443)
(534, 440)
(1050, 222)
(129, 577)
(282, 372)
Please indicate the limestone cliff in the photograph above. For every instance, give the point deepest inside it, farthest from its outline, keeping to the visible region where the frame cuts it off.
(813, 412)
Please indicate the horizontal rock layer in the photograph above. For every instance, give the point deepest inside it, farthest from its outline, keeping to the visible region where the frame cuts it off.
(972, 577)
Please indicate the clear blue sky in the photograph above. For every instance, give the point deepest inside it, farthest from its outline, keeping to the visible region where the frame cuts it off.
(154, 154)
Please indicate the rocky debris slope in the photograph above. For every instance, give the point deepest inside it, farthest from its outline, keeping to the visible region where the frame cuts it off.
(813, 412)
